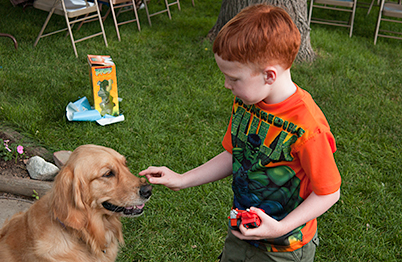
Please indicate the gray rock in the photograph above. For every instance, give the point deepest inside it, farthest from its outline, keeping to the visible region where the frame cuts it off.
(60, 157)
(39, 169)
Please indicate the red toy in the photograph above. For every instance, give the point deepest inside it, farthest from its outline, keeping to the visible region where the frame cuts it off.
(248, 218)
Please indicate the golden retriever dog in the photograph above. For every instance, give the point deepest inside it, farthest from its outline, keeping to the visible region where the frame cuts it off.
(79, 218)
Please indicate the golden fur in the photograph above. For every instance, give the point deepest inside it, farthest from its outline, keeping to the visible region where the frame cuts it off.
(78, 220)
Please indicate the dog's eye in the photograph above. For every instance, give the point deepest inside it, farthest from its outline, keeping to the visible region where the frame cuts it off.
(109, 174)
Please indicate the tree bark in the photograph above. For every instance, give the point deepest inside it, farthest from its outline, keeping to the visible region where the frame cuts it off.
(297, 10)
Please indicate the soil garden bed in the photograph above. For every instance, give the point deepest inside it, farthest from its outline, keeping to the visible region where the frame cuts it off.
(14, 177)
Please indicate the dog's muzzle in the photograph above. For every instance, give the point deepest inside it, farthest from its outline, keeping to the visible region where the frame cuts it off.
(145, 192)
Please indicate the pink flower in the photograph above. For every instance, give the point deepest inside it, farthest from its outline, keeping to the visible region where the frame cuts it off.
(20, 149)
(8, 149)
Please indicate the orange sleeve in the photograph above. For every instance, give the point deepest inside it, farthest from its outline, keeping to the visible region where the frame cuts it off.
(317, 160)
(227, 139)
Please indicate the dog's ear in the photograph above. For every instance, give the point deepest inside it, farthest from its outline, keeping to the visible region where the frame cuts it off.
(67, 203)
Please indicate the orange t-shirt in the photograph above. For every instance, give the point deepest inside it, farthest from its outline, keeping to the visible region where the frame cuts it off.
(281, 153)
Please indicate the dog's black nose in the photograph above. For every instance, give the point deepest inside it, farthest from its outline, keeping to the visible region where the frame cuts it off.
(146, 191)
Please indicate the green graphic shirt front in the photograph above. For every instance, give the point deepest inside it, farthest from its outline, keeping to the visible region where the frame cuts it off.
(267, 148)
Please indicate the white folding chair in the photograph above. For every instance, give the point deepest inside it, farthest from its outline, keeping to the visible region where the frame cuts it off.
(392, 11)
(166, 10)
(177, 2)
(124, 6)
(74, 11)
(334, 5)
(372, 4)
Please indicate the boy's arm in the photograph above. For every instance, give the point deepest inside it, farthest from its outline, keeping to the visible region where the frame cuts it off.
(312, 207)
(215, 169)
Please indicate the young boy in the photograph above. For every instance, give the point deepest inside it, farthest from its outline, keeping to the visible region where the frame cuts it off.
(278, 145)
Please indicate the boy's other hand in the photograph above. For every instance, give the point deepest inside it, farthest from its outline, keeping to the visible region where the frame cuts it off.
(268, 229)
(162, 176)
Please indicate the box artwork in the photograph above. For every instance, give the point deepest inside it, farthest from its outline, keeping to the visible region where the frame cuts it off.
(102, 72)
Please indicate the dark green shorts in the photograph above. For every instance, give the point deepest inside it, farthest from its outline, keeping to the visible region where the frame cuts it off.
(239, 250)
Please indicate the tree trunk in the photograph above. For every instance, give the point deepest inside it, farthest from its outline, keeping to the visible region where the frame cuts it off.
(297, 10)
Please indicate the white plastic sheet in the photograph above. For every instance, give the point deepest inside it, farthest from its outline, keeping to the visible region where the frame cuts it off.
(81, 110)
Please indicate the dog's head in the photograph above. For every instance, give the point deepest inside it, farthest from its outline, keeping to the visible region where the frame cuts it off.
(96, 181)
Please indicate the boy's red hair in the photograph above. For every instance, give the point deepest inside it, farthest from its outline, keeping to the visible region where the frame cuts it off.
(260, 34)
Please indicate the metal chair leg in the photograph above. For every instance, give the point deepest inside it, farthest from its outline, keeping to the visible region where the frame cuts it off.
(44, 25)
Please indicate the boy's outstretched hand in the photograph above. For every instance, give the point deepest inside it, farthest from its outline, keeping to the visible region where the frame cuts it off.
(217, 168)
(163, 176)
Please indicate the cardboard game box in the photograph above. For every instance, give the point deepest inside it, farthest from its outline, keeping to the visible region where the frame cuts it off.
(102, 73)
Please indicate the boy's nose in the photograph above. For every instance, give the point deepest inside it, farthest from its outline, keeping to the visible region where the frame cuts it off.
(227, 86)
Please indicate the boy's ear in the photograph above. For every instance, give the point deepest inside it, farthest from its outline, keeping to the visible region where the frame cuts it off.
(270, 74)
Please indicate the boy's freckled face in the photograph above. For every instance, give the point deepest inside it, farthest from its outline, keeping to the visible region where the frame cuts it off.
(243, 81)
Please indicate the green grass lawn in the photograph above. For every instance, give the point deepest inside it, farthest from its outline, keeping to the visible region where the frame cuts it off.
(177, 110)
